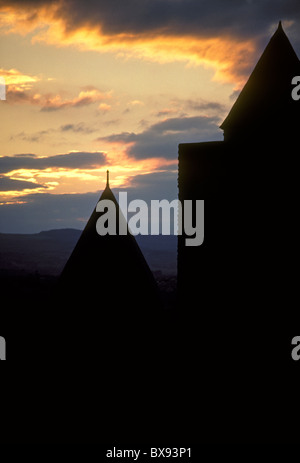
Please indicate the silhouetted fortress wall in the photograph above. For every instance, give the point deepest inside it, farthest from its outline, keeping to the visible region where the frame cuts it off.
(250, 186)
(200, 173)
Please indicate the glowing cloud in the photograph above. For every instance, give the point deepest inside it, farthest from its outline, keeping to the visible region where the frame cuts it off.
(50, 102)
(16, 80)
(228, 56)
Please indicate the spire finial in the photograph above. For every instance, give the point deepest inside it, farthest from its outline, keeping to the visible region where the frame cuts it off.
(280, 25)
(107, 179)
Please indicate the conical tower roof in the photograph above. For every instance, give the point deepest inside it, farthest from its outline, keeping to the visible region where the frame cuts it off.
(265, 105)
(111, 266)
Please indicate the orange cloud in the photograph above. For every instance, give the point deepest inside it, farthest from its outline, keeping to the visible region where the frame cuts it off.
(71, 181)
(74, 172)
(16, 80)
(20, 91)
(228, 56)
(20, 95)
(104, 107)
(84, 98)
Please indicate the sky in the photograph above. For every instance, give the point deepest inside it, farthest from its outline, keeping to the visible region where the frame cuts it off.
(116, 84)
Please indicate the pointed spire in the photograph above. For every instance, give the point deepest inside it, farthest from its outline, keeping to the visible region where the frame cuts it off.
(107, 179)
(112, 263)
(265, 98)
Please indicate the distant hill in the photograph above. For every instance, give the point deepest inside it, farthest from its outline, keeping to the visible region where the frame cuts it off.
(47, 252)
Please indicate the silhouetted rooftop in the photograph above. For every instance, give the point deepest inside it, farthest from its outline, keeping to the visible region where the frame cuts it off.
(112, 265)
(265, 103)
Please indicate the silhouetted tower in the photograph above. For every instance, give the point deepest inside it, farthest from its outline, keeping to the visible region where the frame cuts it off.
(238, 291)
(264, 109)
(250, 186)
(109, 271)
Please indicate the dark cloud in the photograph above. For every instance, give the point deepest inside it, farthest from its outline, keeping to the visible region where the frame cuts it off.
(9, 184)
(182, 108)
(245, 18)
(166, 112)
(33, 137)
(77, 128)
(80, 127)
(17, 96)
(156, 185)
(202, 105)
(77, 160)
(111, 122)
(162, 139)
(203, 18)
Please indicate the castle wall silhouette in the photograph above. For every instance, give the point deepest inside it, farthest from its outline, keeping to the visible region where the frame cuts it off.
(250, 185)
(238, 291)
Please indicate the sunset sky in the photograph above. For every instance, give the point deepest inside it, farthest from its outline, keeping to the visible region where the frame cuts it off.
(112, 84)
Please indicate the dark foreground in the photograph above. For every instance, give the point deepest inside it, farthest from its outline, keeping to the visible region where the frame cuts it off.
(92, 374)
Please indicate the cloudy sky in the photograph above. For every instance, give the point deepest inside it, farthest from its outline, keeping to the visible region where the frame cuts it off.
(116, 84)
